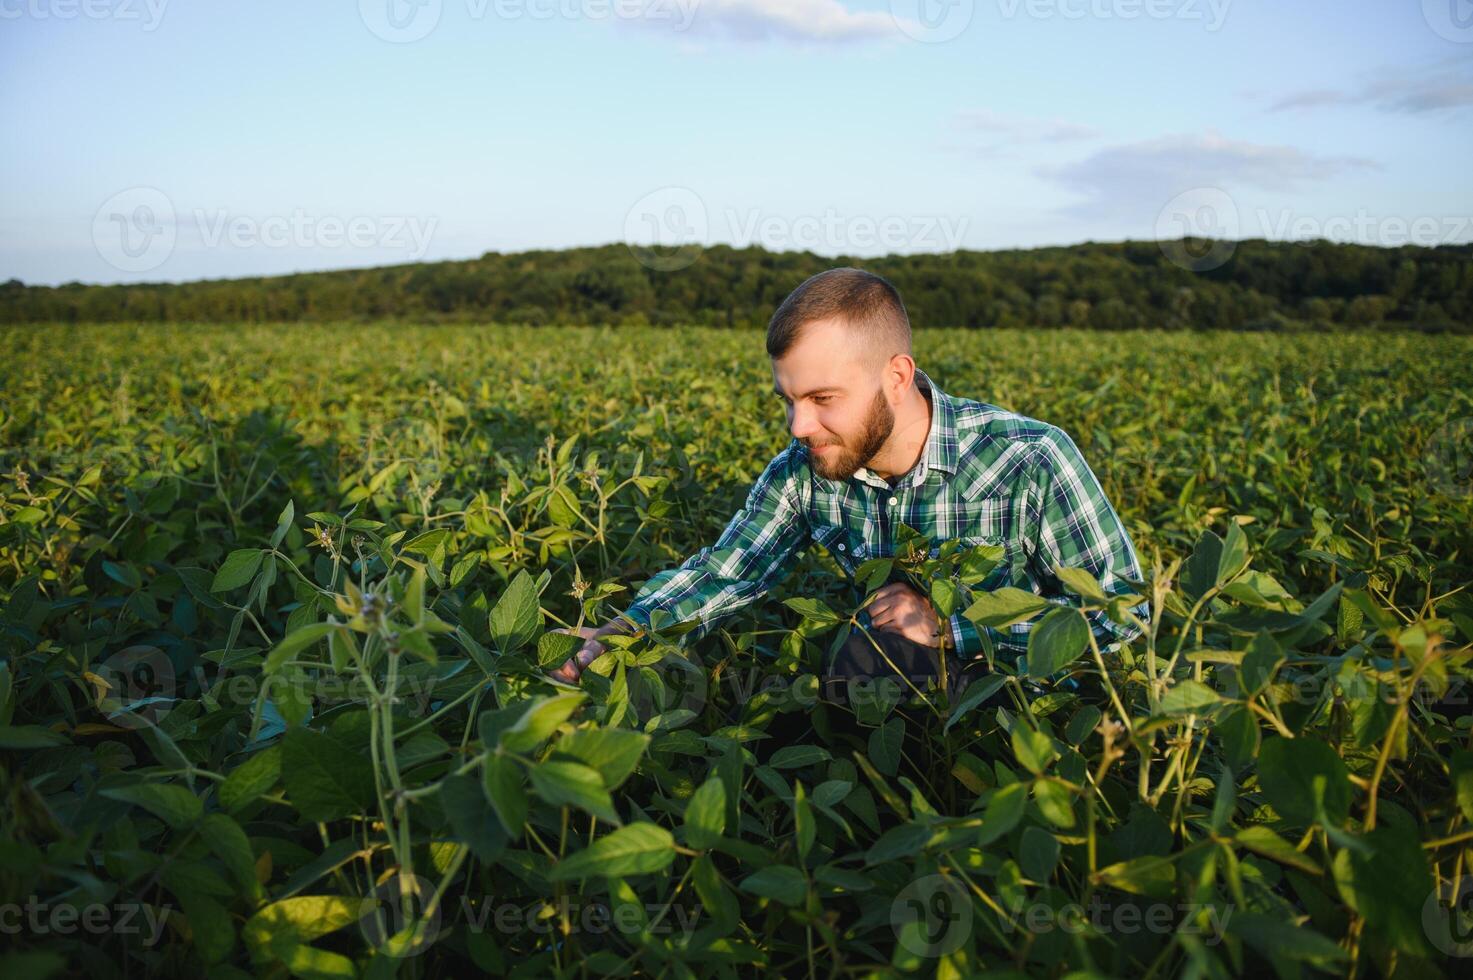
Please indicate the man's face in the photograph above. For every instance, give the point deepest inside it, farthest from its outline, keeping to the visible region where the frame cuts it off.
(835, 401)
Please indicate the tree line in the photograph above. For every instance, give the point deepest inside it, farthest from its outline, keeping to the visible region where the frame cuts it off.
(1263, 285)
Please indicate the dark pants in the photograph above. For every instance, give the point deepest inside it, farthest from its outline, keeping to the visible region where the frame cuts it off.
(877, 666)
(865, 677)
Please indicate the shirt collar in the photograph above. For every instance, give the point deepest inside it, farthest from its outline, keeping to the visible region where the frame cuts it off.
(940, 451)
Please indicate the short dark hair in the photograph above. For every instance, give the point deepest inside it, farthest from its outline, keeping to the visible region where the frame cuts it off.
(865, 301)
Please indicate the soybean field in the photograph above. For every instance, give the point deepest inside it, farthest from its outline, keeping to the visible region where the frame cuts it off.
(277, 605)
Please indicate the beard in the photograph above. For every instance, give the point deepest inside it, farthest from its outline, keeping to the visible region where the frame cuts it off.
(848, 458)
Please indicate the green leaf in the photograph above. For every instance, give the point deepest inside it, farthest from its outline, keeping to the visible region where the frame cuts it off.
(944, 596)
(431, 544)
(291, 692)
(174, 805)
(614, 752)
(324, 779)
(29, 737)
(1056, 641)
(124, 573)
(501, 778)
(798, 756)
(1461, 769)
(1388, 882)
(1303, 776)
(976, 692)
(1276, 937)
(230, 844)
(1038, 853)
(874, 573)
(493, 722)
(540, 720)
(903, 841)
(1199, 571)
(471, 820)
(1238, 729)
(885, 744)
(281, 927)
(556, 649)
(638, 848)
(1261, 840)
(778, 882)
(1055, 803)
(295, 641)
(814, 611)
(978, 562)
(210, 925)
(1082, 583)
(1223, 801)
(1084, 722)
(1186, 696)
(1260, 662)
(283, 523)
(1034, 749)
(414, 597)
(714, 894)
(1003, 812)
(575, 784)
(238, 569)
(1149, 875)
(1004, 607)
(804, 830)
(1234, 556)
(516, 620)
(705, 815)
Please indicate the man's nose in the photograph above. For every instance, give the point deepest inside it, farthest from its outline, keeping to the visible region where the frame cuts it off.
(802, 422)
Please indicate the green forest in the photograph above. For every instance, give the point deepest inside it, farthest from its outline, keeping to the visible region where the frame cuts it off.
(1273, 286)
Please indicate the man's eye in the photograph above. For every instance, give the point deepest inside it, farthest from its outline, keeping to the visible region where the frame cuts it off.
(822, 399)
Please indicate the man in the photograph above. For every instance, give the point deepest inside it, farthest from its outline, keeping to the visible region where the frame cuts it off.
(876, 444)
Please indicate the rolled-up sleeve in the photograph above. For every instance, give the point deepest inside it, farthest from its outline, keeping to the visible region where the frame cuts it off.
(1075, 526)
(746, 560)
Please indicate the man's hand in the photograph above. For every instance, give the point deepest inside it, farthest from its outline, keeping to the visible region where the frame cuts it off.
(899, 608)
(591, 650)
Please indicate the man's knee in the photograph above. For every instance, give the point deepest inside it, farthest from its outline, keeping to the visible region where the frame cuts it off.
(875, 669)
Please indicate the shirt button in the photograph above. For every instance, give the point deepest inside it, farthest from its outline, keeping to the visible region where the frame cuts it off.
(843, 546)
(894, 501)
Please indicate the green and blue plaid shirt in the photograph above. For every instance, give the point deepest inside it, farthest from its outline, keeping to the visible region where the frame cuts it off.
(986, 476)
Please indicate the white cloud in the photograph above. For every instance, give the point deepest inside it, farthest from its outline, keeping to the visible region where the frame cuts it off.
(1133, 181)
(823, 21)
(1023, 129)
(1445, 85)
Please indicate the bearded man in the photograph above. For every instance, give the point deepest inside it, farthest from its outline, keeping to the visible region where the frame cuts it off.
(876, 444)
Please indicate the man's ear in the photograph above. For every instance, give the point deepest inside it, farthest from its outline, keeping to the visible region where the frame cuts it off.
(900, 374)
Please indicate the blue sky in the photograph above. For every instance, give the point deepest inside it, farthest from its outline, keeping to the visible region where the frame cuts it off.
(225, 139)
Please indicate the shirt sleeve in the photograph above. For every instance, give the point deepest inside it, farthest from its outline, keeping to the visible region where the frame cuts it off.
(1069, 522)
(746, 560)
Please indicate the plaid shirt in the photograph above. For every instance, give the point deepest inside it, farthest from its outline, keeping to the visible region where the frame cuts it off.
(986, 476)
